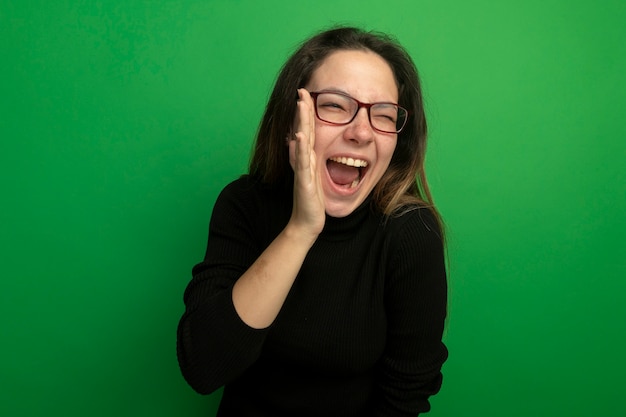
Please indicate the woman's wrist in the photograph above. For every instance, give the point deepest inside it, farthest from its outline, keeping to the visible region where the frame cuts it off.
(299, 236)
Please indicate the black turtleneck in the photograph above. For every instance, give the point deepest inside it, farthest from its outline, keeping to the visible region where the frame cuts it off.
(359, 333)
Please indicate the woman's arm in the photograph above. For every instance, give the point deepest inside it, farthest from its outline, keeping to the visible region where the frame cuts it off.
(221, 333)
(261, 291)
(416, 304)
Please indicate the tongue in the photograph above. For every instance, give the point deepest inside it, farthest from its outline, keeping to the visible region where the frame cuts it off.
(342, 174)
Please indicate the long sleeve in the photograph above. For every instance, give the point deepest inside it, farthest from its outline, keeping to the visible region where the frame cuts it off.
(214, 346)
(359, 333)
(415, 304)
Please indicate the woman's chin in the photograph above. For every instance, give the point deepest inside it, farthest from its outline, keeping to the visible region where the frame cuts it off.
(342, 207)
(342, 200)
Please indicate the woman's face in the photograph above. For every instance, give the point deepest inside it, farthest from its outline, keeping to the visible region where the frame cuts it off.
(368, 78)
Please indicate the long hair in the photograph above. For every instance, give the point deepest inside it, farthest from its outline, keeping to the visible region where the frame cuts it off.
(403, 186)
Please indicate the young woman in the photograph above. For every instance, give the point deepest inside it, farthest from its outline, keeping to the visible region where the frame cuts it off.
(323, 289)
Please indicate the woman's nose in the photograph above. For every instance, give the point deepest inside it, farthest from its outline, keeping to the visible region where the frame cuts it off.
(360, 129)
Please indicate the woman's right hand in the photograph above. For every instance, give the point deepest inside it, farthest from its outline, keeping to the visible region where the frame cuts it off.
(309, 214)
(258, 295)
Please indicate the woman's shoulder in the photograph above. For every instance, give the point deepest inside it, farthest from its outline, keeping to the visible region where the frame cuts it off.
(416, 223)
(244, 184)
(423, 217)
(248, 194)
(249, 185)
(241, 190)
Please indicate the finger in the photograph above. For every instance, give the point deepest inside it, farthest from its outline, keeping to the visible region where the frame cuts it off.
(303, 132)
(303, 118)
(302, 152)
(307, 115)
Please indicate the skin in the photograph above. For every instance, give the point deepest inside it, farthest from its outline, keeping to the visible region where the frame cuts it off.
(261, 291)
(367, 77)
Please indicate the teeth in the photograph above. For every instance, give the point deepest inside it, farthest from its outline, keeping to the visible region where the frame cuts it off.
(359, 163)
(355, 183)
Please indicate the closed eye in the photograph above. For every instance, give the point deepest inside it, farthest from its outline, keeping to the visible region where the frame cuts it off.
(387, 110)
(331, 105)
(386, 117)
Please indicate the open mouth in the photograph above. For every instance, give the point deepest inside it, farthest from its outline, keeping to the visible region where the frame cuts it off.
(346, 172)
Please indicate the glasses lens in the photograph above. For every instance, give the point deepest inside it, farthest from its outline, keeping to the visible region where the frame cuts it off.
(387, 117)
(335, 108)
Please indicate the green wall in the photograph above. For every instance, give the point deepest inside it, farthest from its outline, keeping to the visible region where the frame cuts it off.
(120, 121)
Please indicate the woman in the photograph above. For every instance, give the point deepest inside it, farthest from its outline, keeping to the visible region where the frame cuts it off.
(323, 289)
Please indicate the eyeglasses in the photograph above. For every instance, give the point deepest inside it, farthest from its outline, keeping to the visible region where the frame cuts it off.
(340, 109)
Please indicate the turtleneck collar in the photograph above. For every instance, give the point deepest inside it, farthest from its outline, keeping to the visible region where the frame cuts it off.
(341, 228)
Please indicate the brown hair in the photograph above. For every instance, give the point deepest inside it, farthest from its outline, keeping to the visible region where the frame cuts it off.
(403, 186)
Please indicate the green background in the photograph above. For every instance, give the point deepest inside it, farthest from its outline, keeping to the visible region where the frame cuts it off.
(120, 121)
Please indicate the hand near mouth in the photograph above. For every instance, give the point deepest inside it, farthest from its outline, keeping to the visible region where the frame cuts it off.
(260, 292)
(308, 214)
